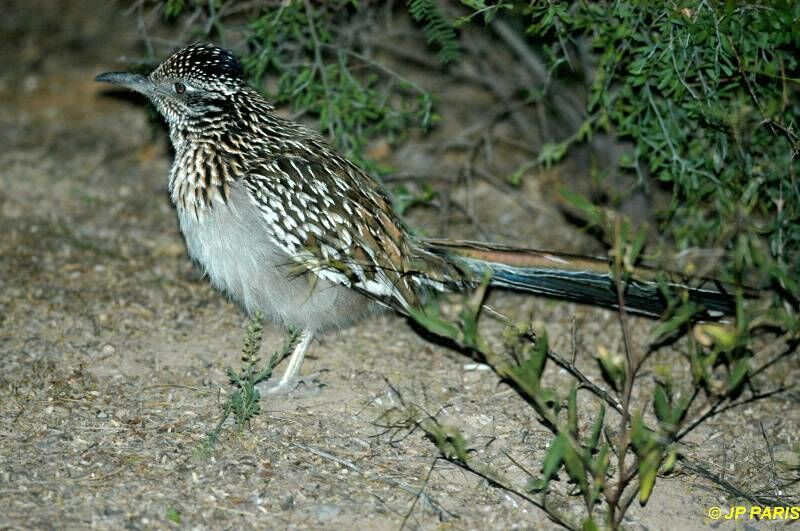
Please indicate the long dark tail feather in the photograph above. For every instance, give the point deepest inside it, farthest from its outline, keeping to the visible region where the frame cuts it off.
(584, 279)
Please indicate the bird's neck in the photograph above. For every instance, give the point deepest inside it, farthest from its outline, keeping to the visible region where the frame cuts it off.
(206, 164)
(193, 131)
(226, 124)
(215, 150)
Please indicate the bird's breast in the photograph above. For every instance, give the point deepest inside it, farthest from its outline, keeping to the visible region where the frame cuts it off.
(201, 177)
(233, 249)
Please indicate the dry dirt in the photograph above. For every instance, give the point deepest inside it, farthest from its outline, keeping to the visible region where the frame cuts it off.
(114, 348)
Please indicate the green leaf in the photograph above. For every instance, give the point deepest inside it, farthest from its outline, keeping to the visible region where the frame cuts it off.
(737, 375)
(515, 178)
(438, 30)
(599, 467)
(469, 330)
(679, 410)
(471, 311)
(641, 436)
(589, 525)
(539, 356)
(529, 372)
(585, 130)
(669, 462)
(594, 435)
(547, 395)
(594, 216)
(551, 153)
(601, 462)
(574, 465)
(635, 248)
(173, 515)
(459, 444)
(612, 365)
(552, 462)
(681, 316)
(572, 411)
(173, 8)
(661, 404)
(724, 336)
(648, 469)
(434, 324)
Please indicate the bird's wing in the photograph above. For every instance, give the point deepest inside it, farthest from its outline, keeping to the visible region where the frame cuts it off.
(338, 223)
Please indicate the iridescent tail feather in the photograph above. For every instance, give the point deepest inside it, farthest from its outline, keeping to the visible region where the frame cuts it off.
(584, 279)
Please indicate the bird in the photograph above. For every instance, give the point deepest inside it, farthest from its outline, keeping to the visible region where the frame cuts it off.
(291, 229)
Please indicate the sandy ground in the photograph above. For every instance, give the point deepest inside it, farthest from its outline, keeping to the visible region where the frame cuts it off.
(114, 349)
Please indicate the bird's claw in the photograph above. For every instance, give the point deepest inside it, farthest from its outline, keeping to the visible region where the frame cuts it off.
(303, 386)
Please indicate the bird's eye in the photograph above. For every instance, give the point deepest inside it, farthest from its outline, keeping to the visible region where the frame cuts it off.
(179, 87)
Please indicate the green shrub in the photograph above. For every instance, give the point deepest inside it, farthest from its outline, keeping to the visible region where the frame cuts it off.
(708, 94)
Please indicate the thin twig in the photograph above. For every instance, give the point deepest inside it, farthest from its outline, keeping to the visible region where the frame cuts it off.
(586, 382)
(421, 491)
(703, 472)
(417, 493)
(772, 473)
(715, 409)
(567, 103)
(549, 511)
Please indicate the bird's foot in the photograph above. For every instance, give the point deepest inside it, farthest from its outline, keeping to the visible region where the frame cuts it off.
(298, 386)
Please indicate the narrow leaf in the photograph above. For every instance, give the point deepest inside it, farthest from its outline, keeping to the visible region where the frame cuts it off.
(737, 375)
(661, 404)
(594, 434)
(572, 411)
(551, 464)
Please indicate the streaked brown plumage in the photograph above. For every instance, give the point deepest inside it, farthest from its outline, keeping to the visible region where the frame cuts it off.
(285, 225)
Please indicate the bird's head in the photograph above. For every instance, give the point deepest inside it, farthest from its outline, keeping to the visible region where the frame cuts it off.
(192, 87)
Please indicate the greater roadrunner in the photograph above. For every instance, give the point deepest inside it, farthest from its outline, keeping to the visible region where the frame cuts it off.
(287, 226)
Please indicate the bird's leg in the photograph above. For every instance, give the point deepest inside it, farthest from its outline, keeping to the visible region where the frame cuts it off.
(289, 379)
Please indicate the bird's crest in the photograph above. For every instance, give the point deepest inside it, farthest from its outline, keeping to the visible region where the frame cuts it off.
(202, 64)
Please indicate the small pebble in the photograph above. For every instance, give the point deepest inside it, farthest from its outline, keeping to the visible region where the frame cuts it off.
(326, 511)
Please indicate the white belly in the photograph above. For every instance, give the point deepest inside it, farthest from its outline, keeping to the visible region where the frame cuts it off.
(231, 242)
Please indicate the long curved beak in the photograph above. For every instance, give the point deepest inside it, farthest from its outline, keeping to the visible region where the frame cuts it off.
(134, 82)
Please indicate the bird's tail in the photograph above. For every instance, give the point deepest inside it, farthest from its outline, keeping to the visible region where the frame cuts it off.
(582, 279)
